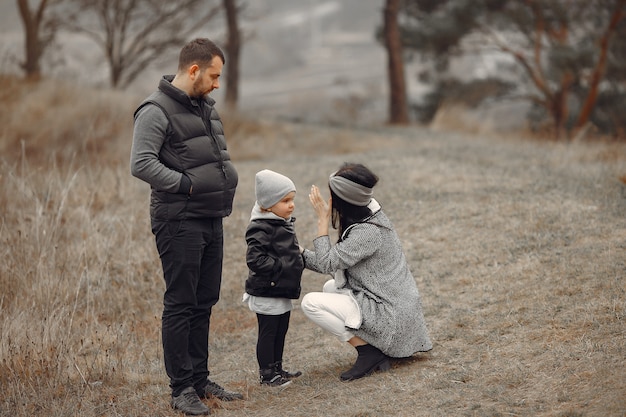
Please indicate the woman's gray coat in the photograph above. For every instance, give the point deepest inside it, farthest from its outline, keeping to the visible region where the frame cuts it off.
(378, 276)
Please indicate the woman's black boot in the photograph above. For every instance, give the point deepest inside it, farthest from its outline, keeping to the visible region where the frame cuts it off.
(370, 359)
(285, 374)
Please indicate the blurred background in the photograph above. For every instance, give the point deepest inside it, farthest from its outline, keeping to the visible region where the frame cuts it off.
(554, 68)
(297, 57)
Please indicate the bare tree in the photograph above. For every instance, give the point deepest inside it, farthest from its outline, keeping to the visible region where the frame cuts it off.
(133, 33)
(398, 107)
(553, 93)
(39, 32)
(564, 48)
(233, 51)
(616, 16)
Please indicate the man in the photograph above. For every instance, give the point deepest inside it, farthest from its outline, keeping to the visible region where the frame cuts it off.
(179, 149)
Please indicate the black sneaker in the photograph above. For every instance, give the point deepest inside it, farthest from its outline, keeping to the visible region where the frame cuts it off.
(278, 366)
(211, 389)
(189, 403)
(276, 381)
(290, 375)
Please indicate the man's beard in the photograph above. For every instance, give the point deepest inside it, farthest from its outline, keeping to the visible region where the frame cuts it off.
(196, 92)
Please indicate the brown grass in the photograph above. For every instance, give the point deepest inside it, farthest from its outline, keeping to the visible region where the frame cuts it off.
(518, 248)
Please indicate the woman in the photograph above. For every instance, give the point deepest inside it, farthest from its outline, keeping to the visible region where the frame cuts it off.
(373, 302)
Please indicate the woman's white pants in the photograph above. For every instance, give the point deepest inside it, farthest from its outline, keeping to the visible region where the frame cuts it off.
(330, 309)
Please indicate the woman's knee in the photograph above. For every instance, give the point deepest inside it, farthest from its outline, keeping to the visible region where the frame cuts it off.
(314, 305)
(309, 303)
(329, 286)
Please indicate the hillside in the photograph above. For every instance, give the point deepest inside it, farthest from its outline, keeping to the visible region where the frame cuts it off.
(517, 246)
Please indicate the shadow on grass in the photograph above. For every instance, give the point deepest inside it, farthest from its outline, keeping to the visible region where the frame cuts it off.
(398, 363)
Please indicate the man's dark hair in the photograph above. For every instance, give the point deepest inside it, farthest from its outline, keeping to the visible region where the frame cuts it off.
(200, 51)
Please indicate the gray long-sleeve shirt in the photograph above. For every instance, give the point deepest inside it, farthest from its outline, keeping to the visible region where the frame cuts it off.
(149, 133)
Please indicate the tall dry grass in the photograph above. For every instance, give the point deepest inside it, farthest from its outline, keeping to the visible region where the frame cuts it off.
(77, 289)
(518, 248)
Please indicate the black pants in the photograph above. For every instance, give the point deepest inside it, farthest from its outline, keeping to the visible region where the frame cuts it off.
(191, 254)
(271, 340)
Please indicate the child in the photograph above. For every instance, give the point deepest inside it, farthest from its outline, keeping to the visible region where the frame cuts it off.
(275, 270)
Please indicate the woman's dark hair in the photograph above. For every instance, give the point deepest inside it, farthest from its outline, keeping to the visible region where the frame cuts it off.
(345, 214)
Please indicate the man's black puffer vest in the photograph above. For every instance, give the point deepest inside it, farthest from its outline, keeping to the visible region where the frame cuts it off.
(195, 145)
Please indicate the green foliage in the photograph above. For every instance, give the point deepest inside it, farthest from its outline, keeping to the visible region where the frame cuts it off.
(471, 94)
(609, 116)
(435, 28)
(616, 65)
(555, 43)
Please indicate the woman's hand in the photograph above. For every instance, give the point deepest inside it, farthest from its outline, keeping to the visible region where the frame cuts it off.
(322, 209)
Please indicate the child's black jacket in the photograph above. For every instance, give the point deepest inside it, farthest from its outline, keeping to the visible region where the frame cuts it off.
(274, 260)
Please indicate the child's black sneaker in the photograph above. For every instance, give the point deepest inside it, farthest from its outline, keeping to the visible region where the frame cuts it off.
(278, 366)
(273, 379)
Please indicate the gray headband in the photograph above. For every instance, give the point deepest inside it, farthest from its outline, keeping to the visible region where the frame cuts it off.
(350, 191)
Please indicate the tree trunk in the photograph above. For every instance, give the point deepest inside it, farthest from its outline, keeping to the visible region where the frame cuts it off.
(33, 45)
(598, 71)
(233, 48)
(398, 107)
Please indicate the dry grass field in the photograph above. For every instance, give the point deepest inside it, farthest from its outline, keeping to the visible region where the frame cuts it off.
(518, 247)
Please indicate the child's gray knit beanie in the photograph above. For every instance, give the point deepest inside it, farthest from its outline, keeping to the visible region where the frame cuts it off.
(270, 187)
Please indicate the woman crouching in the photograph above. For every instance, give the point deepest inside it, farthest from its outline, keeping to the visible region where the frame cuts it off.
(373, 302)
